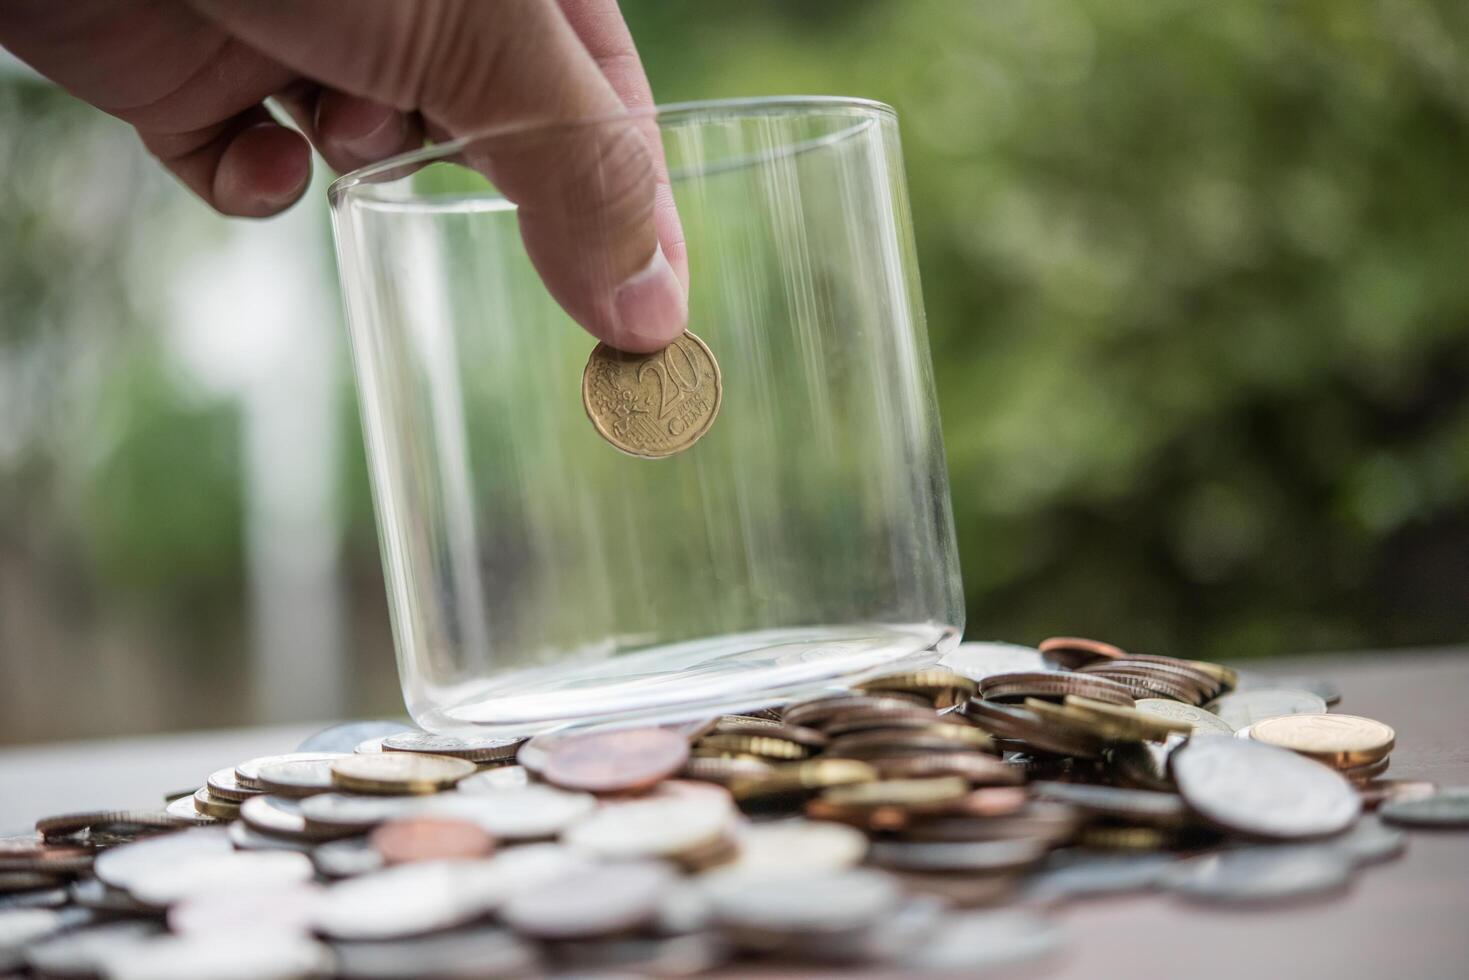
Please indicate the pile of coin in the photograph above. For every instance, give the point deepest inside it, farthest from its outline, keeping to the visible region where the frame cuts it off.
(930, 820)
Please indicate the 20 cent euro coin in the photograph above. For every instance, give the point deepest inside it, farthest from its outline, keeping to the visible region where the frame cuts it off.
(652, 405)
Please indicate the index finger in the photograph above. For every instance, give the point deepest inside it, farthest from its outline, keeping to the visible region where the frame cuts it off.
(586, 194)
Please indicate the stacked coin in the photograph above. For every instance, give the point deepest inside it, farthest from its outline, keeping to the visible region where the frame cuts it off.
(1356, 747)
(885, 825)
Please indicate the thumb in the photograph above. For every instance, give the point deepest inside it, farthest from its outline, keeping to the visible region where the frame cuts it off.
(585, 193)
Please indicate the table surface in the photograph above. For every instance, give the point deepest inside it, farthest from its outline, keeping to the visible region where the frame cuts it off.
(1403, 920)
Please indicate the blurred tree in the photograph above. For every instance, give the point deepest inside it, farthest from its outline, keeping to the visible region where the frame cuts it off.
(1195, 286)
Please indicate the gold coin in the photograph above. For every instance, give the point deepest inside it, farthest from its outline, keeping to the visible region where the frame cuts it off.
(1155, 728)
(209, 805)
(652, 405)
(399, 772)
(1341, 740)
(798, 777)
(899, 792)
(760, 746)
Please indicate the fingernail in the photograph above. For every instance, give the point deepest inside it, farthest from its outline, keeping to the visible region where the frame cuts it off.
(381, 140)
(652, 308)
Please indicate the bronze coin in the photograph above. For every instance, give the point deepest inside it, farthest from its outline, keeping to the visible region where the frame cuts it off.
(429, 839)
(617, 761)
(1074, 651)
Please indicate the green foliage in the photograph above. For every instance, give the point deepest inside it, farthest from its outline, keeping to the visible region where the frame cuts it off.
(1196, 293)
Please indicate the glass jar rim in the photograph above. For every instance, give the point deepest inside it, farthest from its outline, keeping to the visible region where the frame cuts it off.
(714, 108)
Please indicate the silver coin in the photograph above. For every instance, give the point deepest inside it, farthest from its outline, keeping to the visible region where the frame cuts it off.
(837, 902)
(1152, 807)
(236, 872)
(652, 828)
(39, 898)
(426, 896)
(345, 737)
(977, 661)
(266, 956)
(290, 908)
(224, 785)
(1448, 807)
(85, 952)
(674, 956)
(183, 809)
(21, 927)
(601, 901)
(247, 838)
(477, 952)
(301, 777)
(370, 746)
(1260, 874)
(94, 894)
(346, 813)
(473, 749)
(969, 856)
(247, 773)
(1370, 842)
(347, 858)
(886, 940)
(685, 909)
(1263, 791)
(968, 941)
(283, 817)
(1204, 722)
(1249, 680)
(496, 778)
(121, 866)
(1243, 708)
(1080, 875)
(527, 813)
(784, 848)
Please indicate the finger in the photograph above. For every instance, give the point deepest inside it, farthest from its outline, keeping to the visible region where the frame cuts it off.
(250, 166)
(586, 200)
(352, 131)
(600, 27)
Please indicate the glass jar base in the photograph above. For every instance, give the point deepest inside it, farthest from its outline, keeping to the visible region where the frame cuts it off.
(696, 678)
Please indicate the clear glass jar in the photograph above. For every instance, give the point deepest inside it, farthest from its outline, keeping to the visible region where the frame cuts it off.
(537, 576)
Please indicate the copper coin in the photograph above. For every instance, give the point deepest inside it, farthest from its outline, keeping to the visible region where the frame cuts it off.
(992, 801)
(743, 725)
(31, 854)
(617, 761)
(817, 711)
(429, 839)
(860, 720)
(1074, 651)
(1054, 684)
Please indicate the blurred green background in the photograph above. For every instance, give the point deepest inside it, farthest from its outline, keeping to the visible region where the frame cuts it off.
(1197, 280)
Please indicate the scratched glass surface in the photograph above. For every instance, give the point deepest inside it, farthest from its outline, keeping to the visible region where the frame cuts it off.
(535, 574)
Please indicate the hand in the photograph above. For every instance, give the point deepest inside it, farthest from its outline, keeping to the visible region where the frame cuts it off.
(365, 79)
